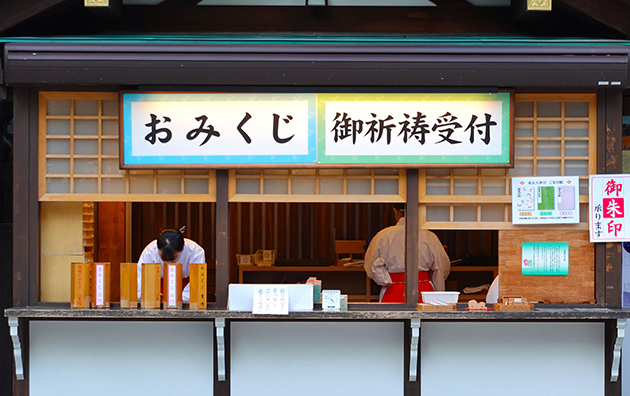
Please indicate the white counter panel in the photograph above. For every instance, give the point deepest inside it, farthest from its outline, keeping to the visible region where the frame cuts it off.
(82, 358)
(512, 359)
(316, 358)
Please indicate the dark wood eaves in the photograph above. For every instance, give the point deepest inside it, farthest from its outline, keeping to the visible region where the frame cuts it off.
(300, 64)
(15, 12)
(612, 13)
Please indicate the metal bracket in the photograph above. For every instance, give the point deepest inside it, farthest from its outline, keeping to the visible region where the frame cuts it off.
(17, 347)
(621, 332)
(413, 350)
(219, 324)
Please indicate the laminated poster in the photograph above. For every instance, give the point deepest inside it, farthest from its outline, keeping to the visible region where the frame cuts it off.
(545, 258)
(545, 200)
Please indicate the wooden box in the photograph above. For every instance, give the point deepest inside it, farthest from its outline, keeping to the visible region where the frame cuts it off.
(80, 286)
(150, 294)
(265, 257)
(245, 259)
(128, 285)
(433, 307)
(172, 286)
(198, 286)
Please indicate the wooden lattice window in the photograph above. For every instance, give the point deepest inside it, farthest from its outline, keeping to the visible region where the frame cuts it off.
(554, 135)
(317, 185)
(79, 156)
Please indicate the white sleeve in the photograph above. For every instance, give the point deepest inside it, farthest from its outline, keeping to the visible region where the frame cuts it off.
(374, 264)
(199, 257)
(493, 292)
(379, 272)
(145, 257)
(186, 293)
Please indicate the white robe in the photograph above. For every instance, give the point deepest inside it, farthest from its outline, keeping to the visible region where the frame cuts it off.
(192, 253)
(386, 254)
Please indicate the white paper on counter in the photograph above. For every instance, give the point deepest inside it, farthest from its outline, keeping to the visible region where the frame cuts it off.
(271, 300)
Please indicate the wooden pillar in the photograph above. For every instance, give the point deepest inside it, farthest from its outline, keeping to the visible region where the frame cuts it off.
(411, 243)
(25, 215)
(608, 265)
(25, 203)
(222, 239)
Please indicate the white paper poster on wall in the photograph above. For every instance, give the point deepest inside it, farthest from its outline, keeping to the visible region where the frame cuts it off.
(546, 200)
(607, 208)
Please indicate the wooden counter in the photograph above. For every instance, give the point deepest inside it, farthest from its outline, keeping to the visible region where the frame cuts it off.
(221, 350)
(541, 312)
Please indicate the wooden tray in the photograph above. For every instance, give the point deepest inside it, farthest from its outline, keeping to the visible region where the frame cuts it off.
(431, 307)
(522, 307)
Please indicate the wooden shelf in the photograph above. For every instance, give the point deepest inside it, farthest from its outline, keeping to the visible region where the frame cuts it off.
(481, 296)
(476, 268)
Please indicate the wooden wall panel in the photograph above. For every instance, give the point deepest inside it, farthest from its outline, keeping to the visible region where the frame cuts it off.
(62, 244)
(576, 287)
(110, 231)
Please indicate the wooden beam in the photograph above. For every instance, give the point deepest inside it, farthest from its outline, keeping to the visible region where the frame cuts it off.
(612, 13)
(15, 12)
(109, 10)
(529, 10)
(187, 18)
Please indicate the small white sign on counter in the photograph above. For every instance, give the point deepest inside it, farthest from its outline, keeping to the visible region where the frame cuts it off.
(241, 296)
(271, 300)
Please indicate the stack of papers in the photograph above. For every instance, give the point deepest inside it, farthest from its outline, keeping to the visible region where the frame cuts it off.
(476, 289)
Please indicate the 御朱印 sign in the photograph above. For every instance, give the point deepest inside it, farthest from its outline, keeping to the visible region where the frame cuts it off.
(224, 130)
(607, 208)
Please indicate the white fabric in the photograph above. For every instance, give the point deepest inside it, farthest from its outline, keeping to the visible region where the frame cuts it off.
(386, 254)
(192, 253)
(493, 292)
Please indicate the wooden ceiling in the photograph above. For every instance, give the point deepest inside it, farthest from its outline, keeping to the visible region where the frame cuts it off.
(567, 18)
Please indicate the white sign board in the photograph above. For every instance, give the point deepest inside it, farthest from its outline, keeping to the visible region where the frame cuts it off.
(607, 208)
(546, 200)
(214, 130)
(241, 296)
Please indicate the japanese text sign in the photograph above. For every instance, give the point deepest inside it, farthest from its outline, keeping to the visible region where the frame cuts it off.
(545, 200)
(204, 129)
(414, 129)
(545, 258)
(223, 130)
(607, 208)
(100, 285)
(271, 300)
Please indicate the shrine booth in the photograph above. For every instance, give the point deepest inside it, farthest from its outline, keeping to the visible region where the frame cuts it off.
(289, 145)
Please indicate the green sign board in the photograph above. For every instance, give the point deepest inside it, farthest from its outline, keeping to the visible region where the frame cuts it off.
(545, 258)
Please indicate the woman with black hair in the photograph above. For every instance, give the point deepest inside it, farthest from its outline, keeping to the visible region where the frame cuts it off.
(171, 247)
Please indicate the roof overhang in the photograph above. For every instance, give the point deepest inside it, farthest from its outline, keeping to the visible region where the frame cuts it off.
(377, 63)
